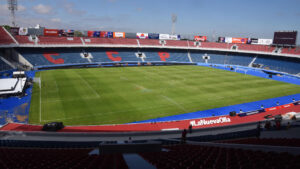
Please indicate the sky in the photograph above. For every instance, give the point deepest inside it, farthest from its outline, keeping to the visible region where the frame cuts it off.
(213, 18)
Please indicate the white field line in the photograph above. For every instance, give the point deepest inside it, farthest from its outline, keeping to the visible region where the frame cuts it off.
(73, 99)
(87, 84)
(174, 102)
(40, 84)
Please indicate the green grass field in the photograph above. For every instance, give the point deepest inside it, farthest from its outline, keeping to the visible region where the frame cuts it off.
(126, 94)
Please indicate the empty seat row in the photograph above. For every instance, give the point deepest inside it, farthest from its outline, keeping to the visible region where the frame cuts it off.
(5, 39)
(17, 158)
(41, 57)
(292, 142)
(197, 156)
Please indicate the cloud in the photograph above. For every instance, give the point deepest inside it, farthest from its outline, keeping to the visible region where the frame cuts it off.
(55, 20)
(4, 9)
(21, 8)
(69, 7)
(42, 9)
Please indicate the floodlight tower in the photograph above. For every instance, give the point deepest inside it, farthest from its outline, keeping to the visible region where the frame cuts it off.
(174, 20)
(12, 7)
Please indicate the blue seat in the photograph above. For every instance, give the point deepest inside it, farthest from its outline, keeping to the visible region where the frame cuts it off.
(4, 66)
(291, 66)
(166, 56)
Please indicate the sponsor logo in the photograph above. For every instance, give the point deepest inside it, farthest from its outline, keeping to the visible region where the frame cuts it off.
(203, 122)
(51, 31)
(272, 108)
(200, 38)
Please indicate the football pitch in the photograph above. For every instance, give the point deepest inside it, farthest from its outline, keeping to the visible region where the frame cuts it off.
(93, 96)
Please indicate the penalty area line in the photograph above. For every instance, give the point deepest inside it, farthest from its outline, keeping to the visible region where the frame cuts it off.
(87, 84)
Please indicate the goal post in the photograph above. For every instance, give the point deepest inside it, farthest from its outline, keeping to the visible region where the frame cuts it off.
(241, 70)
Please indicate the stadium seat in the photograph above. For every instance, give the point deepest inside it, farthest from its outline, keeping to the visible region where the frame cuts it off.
(288, 65)
(177, 43)
(149, 42)
(3, 65)
(5, 39)
(58, 158)
(23, 40)
(293, 142)
(44, 40)
(197, 156)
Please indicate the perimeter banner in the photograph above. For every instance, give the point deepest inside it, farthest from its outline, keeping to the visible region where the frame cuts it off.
(142, 35)
(106, 34)
(228, 39)
(96, 34)
(265, 41)
(119, 34)
(200, 38)
(130, 35)
(90, 33)
(175, 37)
(221, 39)
(164, 36)
(23, 31)
(239, 40)
(51, 32)
(14, 30)
(110, 34)
(153, 36)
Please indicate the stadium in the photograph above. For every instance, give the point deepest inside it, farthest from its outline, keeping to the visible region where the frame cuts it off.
(112, 99)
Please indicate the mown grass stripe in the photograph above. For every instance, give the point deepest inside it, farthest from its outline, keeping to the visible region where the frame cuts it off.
(135, 93)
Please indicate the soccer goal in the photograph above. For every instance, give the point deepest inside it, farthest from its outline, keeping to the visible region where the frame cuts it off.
(241, 70)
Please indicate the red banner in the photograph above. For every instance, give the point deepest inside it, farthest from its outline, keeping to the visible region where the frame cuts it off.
(239, 40)
(279, 107)
(90, 33)
(200, 38)
(51, 32)
(103, 34)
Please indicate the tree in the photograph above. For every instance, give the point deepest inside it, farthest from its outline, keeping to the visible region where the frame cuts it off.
(7, 27)
(78, 34)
